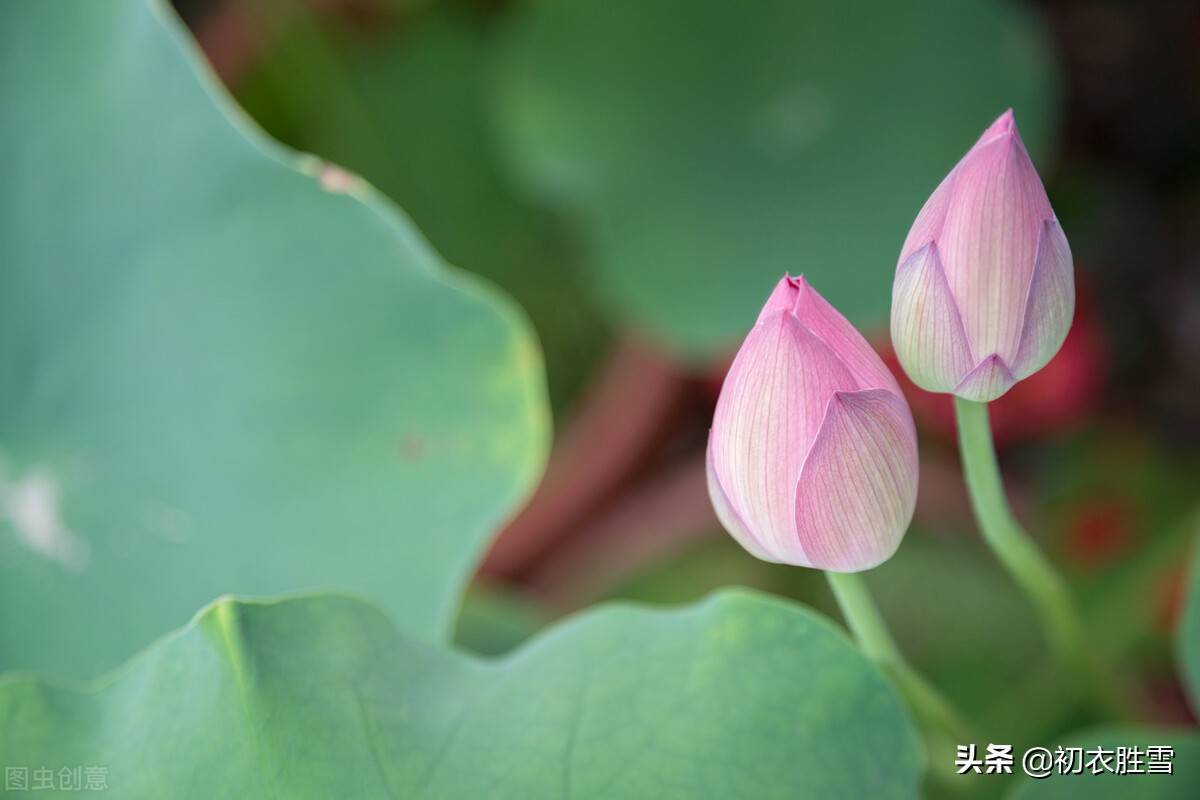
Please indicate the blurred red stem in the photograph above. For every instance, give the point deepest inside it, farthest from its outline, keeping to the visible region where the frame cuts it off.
(619, 425)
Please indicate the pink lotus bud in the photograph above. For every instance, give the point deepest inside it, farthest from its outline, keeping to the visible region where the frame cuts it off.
(812, 456)
(984, 290)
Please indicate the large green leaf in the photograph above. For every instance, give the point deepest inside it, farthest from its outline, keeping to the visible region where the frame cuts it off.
(709, 147)
(740, 696)
(1182, 784)
(222, 368)
(403, 105)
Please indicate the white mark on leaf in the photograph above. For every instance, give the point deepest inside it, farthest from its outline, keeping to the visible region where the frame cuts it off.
(336, 180)
(32, 505)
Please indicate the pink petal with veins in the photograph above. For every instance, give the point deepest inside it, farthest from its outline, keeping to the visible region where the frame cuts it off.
(927, 330)
(1050, 306)
(989, 239)
(728, 515)
(767, 416)
(843, 339)
(989, 380)
(858, 488)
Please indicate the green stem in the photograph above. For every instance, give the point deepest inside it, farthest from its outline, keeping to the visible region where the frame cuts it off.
(1004, 535)
(941, 720)
(1028, 566)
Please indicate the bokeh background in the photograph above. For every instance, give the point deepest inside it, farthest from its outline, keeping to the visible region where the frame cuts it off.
(639, 174)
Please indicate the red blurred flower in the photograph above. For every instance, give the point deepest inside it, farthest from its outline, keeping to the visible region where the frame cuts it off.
(1100, 529)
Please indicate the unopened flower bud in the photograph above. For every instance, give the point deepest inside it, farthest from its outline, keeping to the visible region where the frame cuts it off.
(812, 457)
(984, 290)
